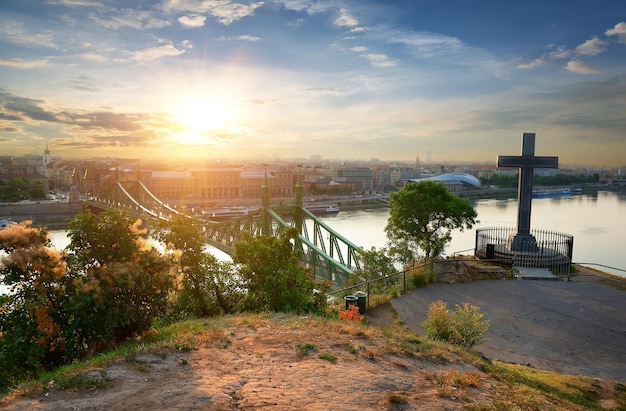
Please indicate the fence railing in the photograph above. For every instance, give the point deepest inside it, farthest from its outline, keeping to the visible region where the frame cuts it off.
(546, 249)
(378, 289)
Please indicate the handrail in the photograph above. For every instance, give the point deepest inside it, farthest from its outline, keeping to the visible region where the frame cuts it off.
(602, 265)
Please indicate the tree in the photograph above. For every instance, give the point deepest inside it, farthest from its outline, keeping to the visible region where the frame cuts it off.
(17, 189)
(31, 314)
(119, 282)
(273, 276)
(423, 214)
(374, 264)
(208, 286)
(37, 191)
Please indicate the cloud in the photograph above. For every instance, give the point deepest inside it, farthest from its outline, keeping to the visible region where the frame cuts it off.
(153, 53)
(580, 67)
(17, 108)
(187, 44)
(558, 53)
(75, 3)
(324, 90)
(241, 38)
(13, 32)
(136, 19)
(225, 11)
(232, 12)
(610, 90)
(380, 60)
(620, 31)
(535, 63)
(192, 20)
(345, 20)
(107, 120)
(296, 23)
(92, 57)
(359, 49)
(423, 44)
(592, 47)
(26, 64)
(309, 6)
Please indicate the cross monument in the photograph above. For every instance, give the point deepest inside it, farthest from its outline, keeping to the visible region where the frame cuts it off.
(527, 162)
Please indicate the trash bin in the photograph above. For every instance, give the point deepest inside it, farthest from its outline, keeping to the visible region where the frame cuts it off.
(361, 301)
(350, 300)
(491, 252)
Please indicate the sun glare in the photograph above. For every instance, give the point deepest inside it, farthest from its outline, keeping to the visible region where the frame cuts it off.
(200, 119)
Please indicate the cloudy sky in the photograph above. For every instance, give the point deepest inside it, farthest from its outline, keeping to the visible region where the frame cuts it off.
(290, 78)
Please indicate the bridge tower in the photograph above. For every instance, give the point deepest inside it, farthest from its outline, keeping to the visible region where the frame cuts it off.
(265, 202)
(298, 191)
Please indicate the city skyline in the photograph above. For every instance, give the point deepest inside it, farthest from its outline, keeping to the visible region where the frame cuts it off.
(292, 78)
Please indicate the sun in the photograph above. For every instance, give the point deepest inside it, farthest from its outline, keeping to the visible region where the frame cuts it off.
(199, 119)
(202, 115)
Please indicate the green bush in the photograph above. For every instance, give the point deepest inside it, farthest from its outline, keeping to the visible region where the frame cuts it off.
(108, 287)
(463, 327)
(423, 278)
(273, 275)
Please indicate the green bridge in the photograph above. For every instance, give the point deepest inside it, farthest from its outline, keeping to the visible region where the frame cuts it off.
(329, 255)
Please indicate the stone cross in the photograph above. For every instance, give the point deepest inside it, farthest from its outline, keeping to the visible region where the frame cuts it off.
(526, 163)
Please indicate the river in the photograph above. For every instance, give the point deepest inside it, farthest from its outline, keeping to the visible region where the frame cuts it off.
(596, 220)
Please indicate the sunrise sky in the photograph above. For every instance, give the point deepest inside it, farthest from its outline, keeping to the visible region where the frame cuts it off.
(291, 78)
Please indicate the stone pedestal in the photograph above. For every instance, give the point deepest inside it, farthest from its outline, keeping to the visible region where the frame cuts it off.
(522, 242)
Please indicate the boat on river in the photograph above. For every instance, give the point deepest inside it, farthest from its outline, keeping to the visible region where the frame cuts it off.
(324, 210)
(552, 192)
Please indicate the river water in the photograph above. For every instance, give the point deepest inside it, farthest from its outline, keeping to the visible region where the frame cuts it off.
(596, 220)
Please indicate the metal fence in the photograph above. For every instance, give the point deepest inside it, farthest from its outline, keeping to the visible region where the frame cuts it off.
(547, 249)
(377, 290)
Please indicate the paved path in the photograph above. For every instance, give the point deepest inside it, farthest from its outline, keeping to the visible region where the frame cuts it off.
(569, 327)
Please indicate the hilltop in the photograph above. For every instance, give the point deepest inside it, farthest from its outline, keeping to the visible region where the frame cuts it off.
(285, 362)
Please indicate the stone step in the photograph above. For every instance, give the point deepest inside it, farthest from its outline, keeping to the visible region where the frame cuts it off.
(532, 273)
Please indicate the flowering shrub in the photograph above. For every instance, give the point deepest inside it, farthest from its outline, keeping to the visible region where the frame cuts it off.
(351, 314)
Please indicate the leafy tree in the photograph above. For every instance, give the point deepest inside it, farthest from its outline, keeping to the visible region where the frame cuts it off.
(60, 307)
(119, 283)
(17, 189)
(374, 264)
(208, 286)
(273, 276)
(37, 191)
(31, 314)
(423, 214)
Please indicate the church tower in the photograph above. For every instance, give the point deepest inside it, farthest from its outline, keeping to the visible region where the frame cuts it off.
(47, 158)
(418, 167)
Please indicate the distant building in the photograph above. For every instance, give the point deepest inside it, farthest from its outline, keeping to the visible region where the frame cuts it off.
(362, 176)
(173, 185)
(47, 157)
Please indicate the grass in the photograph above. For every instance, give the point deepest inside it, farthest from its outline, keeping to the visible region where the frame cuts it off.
(328, 357)
(455, 374)
(303, 349)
